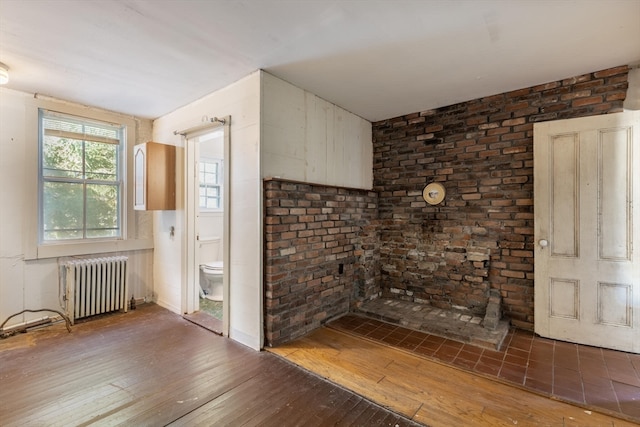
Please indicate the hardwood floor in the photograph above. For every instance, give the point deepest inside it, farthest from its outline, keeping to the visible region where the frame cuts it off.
(428, 391)
(150, 367)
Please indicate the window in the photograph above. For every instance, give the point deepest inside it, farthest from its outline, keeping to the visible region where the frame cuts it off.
(80, 178)
(211, 185)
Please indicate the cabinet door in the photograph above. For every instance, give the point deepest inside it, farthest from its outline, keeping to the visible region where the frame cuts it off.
(155, 176)
(140, 172)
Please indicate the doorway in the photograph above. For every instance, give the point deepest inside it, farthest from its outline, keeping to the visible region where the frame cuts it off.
(207, 219)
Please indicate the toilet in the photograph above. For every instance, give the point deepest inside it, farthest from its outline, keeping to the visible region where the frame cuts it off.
(211, 280)
(211, 269)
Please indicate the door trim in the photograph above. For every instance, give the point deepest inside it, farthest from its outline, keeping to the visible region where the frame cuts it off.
(190, 294)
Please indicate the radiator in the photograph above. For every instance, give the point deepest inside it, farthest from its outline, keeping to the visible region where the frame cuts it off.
(96, 286)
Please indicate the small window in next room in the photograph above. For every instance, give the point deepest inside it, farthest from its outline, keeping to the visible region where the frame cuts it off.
(211, 181)
(80, 178)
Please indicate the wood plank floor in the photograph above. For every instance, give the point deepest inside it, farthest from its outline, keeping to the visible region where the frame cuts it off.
(150, 367)
(427, 391)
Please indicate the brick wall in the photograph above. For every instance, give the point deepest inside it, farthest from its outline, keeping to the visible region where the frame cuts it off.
(310, 232)
(481, 236)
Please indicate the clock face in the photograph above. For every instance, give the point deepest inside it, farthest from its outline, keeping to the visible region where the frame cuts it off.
(433, 193)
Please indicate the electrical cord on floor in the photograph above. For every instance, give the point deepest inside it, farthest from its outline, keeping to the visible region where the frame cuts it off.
(13, 332)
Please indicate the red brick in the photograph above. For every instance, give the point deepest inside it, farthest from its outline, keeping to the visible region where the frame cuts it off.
(518, 93)
(587, 101)
(514, 122)
(618, 96)
(498, 131)
(623, 69)
(517, 106)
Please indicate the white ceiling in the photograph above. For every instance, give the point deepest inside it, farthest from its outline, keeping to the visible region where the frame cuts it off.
(378, 59)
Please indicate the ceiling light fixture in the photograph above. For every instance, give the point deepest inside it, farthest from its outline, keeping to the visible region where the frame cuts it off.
(4, 74)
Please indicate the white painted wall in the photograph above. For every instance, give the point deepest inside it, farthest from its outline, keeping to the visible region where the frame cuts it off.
(241, 101)
(632, 101)
(31, 281)
(305, 138)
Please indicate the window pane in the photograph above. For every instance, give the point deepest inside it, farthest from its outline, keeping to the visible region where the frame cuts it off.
(62, 211)
(213, 191)
(210, 179)
(61, 157)
(102, 210)
(62, 124)
(101, 160)
(80, 125)
(106, 131)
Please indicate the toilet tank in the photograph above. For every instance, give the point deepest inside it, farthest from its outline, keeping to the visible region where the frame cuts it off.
(210, 249)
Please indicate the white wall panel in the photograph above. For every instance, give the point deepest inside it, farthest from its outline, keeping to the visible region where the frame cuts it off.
(12, 171)
(318, 138)
(305, 138)
(11, 288)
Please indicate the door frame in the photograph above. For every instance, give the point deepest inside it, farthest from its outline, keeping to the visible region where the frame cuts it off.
(190, 292)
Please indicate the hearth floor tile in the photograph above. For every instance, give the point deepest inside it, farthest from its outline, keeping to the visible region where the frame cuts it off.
(449, 324)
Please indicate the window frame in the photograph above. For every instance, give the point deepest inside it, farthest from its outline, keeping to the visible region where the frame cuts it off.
(84, 180)
(135, 232)
(219, 184)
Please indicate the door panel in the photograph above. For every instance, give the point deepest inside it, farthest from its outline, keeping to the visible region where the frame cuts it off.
(615, 304)
(614, 216)
(564, 298)
(586, 178)
(565, 187)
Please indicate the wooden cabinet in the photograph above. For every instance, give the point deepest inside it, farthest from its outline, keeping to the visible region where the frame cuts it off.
(155, 176)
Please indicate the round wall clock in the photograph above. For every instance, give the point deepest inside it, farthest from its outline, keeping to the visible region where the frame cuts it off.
(433, 193)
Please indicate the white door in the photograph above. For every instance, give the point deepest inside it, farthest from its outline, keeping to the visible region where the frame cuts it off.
(587, 230)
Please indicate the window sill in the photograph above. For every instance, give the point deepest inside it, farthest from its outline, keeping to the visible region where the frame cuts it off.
(88, 248)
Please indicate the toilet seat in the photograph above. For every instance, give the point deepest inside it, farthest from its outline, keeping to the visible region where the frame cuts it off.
(212, 267)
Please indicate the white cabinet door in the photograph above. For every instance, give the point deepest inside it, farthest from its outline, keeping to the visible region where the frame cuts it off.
(587, 230)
